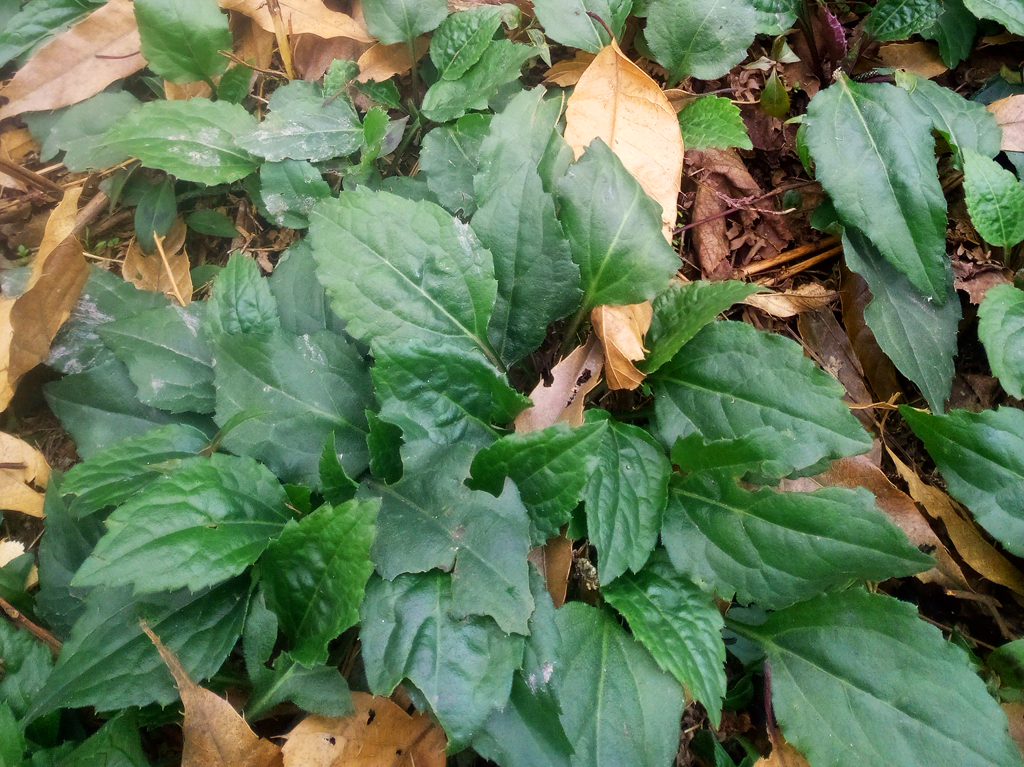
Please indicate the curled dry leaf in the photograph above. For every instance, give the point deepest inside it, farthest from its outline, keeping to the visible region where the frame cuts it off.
(568, 72)
(152, 273)
(301, 17)
(215, 735)
(382, 62)
(811, 297)
(554, 560)
(921, 59)
(1009, 113)
(825, 338)
(562, 399)
(23, 476)
(99, 50)
(379, 733)
(877, 367)
(621, 330)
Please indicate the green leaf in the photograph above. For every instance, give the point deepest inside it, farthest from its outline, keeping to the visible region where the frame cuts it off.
(619, 707)
(315, 572)
(200, 628)
(614, 230)
(874, 156)
(302, 303)
(703, 40)
(155, 213)
(196, 526)
(168, 360)
(397, 269)
(567, 22)
(954, 31)
(182, 40)
(384, 93)
(1000, 327)
(302, 126)
(12, 739)
(549, 467)
(194, 140)
(234, 85)
(430, 519)
(27, 664)
(211, 222)
(288, 190)
(858, 679)
(981, 457)
(625, 498)
(966, 124)
(39, 20)
(335, 485)
(463, 667)
(775, 16)
(462, 38)
(115, 744)
(400, 21)
(499, 65)
(678, 624)
(731, 379)
(300, 390)
(1008, 662)
(680, 311)
(917, 334)
(995, 200)
(442, 392)
(713, 122)
(736, 457)
(384, 440)
(899, 19)
(241, 300)
(450, 157)
(1009, 13)
(79, 131)
(778, 548)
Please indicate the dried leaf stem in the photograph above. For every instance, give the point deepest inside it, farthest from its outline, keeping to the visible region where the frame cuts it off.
(167, 268)
(38, 632)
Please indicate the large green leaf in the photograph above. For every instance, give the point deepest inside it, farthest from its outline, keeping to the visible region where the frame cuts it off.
(463, 667)
(954, 31)
(397, 269)
(731, 379)
(315, 572)
(298, 390)
(39, 20)
(241, 300)
(400, 21)
(874, 155)
(678, 624)
(288, 190)
(899, 19)
(619, 708)
(462, 38)
(917, 334)
(27, 664)
(430, 519)
(614, 230)
(182, 40)
(1001, 330)
(500, 64)
(713, 122)
(981, 457)
(450, 157)
(195, 526)
(567, 22)
(966, 124)
(538, 283)
(168, 359)
(200, 628)
(79, 131)
(194, 140)
(703, 39)
(858, 679)
(778, 548)
(995, 199)
(1009, 13)
(302, 304)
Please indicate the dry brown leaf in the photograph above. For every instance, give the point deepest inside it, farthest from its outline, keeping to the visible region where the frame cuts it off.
(18, 144)
(313, 55)
(967, 540)
(1009, 113)
(302, 17)
(186, 92)
(215, 735)
(619, 103)
(382, 62)
(59, 226)
(621, 330)
(825, 338)
(562, 400)
(99, 50)
(151, 273)
(24, 477)
(807, 298)
(1015, 717)
(568, 72)
(378, 734)
(679, 98)
(253, 44)
(921, 59)
(554, 560)
(877, 367)
(782, 755)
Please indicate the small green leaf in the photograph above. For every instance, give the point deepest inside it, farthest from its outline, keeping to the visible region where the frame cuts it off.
(614, 230)
(315, 572)
(235, 84)
(335, 484)
(567, 22)
(211, 222)
(775, 16)
(858, 679)
(981, 457)
(499, 64)
(463, 667)
(39, 20)
(899, 19)
(241, 300)
(288, 191)
(27, 664)
(79, 131)
(384, 93)
(194, 140)
(182, 40)
(302, 303)
(995, 200)
(774, 97)
(678, 624)
(450, 157)
(1008, 662)
(778, 548)
(116, 744)
(712, 122)
(1009, 13)
(12, 739)
(1001, 330)
(462, 38)
(401, 21)
(155, 213)
(702, 40)
(954, 31)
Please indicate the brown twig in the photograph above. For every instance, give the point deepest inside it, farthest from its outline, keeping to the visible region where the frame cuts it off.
(91, 210)
(787, 256)
(38, 632)
(31, 177)
(785, 274)
(167, 268)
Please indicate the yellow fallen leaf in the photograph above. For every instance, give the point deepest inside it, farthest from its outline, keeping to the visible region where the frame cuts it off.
(378, 733)
(385, 61)
(253, 44)
(784, 304)
(18, 144)
(24, 473)
(59, 226)
(921, 59)
(782, 755)
(1009, 113)
(302, 17)
(569, 71)
(99, 50)
(186, 92)
(562, 399)
(152, 273)
(621, 330)
(616, 101)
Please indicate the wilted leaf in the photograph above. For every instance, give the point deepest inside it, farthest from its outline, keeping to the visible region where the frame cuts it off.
(302, 17)
(921, 59)
(621, 330)
(167, 274)
(562, 398)
(382, 62)
(568, 72)
(554, 560)
(23, 466)
(378, 733)
(1009, 113)
(78, 64)
(809, 297)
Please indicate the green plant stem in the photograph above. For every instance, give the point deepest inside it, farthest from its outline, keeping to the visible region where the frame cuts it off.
(569, 339)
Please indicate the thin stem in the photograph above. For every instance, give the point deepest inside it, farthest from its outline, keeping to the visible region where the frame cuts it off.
(569, 339)
(38, 632)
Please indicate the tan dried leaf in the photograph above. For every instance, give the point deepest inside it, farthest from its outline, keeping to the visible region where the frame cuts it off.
(554, 560)
(568, 72)
(621, 330)
(1009, 113)
(807, 298)
(313, 55)
(253, 44)
(153, 274)
(782, 755)
(921, 59)
(562, 400)
(302, 17)
(99, 50)
(379, 733)
(18, 144)
(186, 92)
(382, 62)
(23, 477)
(59, 226)
(215, 735)
(618, 102)
(1015, 717)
